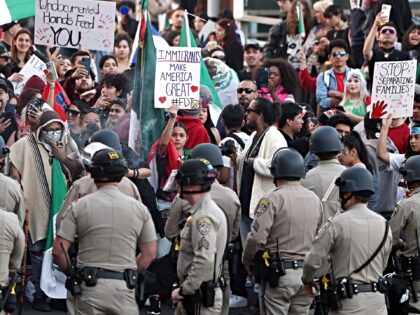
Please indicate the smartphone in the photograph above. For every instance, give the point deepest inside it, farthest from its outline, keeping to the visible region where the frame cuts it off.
(86, 63)
(386, 10)
(262, 78)
(51, 69)
(8, 115)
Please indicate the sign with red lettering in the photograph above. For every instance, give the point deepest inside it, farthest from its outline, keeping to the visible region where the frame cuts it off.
(177, 77)
(71, 23)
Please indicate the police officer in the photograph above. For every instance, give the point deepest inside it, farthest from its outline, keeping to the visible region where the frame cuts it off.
(405, 222)
(286, 221)
(86, 185)
(352, 239)
(223, 196)
(11, 196)
(326, 144)
(110, 227)
(12, 246)
(203, 242)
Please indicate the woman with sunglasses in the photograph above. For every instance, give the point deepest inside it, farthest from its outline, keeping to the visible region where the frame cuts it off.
(73, 119)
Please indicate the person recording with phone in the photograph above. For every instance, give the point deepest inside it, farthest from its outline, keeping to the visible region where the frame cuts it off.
(8, 123)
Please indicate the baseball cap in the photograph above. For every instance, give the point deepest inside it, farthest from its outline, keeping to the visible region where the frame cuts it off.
(8, 26)
(252, 43)
(6, 85)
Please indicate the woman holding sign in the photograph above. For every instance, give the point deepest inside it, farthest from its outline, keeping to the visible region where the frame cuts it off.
(396, 160)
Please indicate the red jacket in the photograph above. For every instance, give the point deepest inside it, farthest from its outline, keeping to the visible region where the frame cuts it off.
(308, 83)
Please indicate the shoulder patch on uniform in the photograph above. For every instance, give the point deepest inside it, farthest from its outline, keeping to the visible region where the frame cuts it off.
(203, 243)
(262, 206)
(325, 227)
(204, 225)
(255, 225)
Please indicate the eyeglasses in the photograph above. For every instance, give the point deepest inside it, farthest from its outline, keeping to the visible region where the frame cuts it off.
(336, 54)
(388, 30)
(72, 112)
(246, 90)
(249, 110)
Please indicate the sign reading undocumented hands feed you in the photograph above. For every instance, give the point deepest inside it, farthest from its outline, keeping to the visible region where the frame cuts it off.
(393, 89)
(71, 23)
(177, 77)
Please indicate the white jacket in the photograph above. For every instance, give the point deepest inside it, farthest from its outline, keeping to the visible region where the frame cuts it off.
(263, 181)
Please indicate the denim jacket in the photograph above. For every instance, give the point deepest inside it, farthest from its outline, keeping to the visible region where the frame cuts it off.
(325, 82)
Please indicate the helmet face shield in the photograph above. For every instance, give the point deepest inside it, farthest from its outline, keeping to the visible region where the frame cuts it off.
(90, 150)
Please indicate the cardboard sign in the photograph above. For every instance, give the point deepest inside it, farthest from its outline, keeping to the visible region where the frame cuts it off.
(393, 89)
(71, 23)
(177, 77)
(34, 66)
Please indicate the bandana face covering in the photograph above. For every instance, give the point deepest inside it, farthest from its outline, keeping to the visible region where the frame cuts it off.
(51, 137)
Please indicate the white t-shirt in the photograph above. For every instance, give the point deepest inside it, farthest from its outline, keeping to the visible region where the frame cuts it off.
(396, 160)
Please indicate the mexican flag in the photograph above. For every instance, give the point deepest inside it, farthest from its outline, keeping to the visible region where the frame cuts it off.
(301, 25)
(52, 279)
(146, 122)
(187, 40)
(11, 10)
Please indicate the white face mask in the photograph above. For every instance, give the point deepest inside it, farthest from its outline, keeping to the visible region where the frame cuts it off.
(51, 137)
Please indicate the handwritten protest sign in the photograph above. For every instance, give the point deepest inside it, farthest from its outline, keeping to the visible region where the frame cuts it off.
(69, 23)
(177, 77)
(34, 66)
(393, 89)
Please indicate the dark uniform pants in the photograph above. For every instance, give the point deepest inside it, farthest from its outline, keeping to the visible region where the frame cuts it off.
(108, 297)
(288, 298)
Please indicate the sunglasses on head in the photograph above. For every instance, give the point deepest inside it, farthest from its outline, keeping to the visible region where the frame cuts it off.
(220, 57)
(388, 30)
(339, 54)
(246, 90)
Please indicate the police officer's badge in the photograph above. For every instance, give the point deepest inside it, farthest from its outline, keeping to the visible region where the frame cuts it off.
(262, 206)
(203, 225)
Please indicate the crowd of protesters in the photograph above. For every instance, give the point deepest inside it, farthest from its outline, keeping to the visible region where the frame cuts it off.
(275, 94)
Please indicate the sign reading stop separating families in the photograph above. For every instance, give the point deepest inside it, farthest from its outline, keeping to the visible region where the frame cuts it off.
(177, 78)
(71, 23)
(393, 89)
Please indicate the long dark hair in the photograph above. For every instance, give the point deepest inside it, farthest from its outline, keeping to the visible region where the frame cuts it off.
(354, 141)
(230, 32)
(406, 46)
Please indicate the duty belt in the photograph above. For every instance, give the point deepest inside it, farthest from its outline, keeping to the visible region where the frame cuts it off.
(292, 264)
(108, 274)
(365, 287)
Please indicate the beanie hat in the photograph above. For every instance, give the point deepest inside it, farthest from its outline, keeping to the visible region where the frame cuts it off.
(48, 116)
(35, 82)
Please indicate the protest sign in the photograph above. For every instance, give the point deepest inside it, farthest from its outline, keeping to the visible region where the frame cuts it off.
(177, 78)
(71, 23)
(34, 66)
(393, 88)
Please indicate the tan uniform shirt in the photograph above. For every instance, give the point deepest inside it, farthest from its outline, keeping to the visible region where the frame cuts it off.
(224, 197)
(109, 226)
(406, 219)
(85, 186)
(203, 240)
(11, 197)
(290, 214)
(350, 239)
(320, 179)
(12, 245)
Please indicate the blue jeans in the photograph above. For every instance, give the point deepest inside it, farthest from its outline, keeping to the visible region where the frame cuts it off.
(36, 254)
